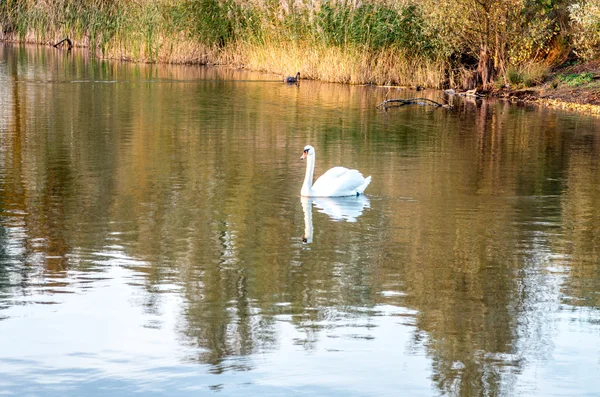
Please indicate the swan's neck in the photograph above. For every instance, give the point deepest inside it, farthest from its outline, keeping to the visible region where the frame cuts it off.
(308, 178)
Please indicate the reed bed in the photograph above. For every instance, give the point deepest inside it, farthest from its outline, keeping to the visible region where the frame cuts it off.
(376, 43)
(350, 65)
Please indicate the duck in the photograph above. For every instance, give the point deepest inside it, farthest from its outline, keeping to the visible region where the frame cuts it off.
(291, 79)
(336, 182)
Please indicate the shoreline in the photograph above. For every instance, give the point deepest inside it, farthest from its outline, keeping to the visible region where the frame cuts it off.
(573, 88)
(581, 99)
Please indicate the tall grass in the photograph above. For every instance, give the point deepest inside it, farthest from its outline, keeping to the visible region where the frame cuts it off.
(373, 43)
(527, 75)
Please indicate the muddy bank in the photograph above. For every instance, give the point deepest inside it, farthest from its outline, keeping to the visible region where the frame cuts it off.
(575, 88)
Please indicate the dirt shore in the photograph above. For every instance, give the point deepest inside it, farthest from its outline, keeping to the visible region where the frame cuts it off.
(575, 88)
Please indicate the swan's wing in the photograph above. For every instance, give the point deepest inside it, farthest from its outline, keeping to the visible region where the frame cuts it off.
(338, 181)
(332, 173)
(331, 176)
(348, 183)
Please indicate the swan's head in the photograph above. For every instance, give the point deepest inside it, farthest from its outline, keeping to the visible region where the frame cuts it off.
(308, 151)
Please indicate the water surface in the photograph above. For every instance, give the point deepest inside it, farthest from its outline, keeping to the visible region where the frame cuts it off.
(153, 240)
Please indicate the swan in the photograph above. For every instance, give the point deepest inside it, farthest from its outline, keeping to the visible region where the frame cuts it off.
(337, 182)
(290, 79)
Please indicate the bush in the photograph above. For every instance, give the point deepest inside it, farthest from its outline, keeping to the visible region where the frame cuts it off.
(514, 77)
(585, 18)
(527, 75)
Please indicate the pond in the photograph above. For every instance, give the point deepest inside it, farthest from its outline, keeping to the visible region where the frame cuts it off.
(153, 239)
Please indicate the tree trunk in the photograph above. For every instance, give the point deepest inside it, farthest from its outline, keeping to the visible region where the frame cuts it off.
(485, 69)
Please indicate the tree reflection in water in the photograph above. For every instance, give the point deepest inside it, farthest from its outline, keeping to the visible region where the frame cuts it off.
(501, 229)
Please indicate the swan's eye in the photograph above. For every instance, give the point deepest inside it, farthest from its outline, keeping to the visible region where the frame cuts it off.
(305, 150)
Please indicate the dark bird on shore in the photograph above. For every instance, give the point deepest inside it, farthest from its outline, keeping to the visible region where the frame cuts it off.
(290, 79)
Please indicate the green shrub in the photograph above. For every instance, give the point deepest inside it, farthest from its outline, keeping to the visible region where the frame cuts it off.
(527, 75)
(514, 77)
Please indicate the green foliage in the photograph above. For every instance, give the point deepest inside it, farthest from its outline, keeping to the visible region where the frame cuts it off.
(372, 25)
(215, 22)
(209, 20)
(576, 80)
(514, 77)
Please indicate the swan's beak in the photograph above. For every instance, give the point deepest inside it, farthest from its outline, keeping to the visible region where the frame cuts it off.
(304, 155)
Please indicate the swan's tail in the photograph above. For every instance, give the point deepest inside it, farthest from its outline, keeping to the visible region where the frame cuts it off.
(361, 188)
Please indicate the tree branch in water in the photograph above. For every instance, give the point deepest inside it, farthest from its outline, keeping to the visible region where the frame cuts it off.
(66, 39)
(413, 101)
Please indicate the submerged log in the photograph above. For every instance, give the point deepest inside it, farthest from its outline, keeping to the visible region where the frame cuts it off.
(65, 40)
(472, 93)
(413, 101)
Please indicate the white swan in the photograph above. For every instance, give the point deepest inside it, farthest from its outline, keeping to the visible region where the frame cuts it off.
(337, 182)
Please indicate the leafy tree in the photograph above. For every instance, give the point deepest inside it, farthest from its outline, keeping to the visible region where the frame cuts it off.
(496, 33)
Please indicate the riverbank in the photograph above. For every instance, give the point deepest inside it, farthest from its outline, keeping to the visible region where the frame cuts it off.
(574, 88)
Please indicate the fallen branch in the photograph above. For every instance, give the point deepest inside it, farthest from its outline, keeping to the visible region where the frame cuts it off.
(471, 93)
(413, 101)
(66, 39)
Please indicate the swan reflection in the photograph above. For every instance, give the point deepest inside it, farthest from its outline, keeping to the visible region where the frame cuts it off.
(337, 208)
